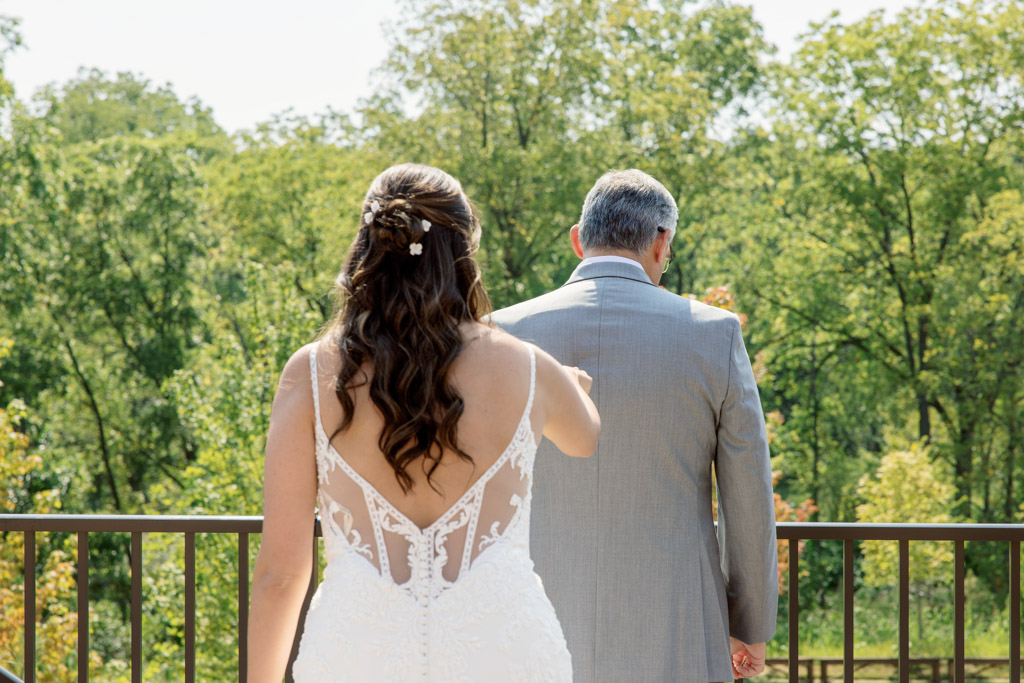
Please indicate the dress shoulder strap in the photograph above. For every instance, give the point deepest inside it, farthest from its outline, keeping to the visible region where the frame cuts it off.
(533, 379)
(316, 388)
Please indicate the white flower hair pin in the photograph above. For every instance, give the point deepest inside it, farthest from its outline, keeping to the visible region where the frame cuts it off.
(416, 248)
(368, 216)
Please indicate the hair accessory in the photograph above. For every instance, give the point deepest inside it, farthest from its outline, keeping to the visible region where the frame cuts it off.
(368, 216)
(415, 248)
(426, 226)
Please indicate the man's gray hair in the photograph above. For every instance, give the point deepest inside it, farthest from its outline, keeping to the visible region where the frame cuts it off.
(624, 210)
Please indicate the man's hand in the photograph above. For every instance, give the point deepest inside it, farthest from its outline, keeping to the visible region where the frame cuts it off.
(747, 660)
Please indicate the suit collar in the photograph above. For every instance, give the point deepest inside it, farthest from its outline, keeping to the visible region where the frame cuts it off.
(590, 271)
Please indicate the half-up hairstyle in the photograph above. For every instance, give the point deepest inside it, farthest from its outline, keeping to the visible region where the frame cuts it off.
(408, 282)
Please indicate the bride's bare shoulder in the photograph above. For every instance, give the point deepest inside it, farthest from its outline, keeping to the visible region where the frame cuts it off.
(297, 373)
(292, 398)
(296, 370)
(484, 339)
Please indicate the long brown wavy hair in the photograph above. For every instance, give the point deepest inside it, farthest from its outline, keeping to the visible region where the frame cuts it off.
(408, 282)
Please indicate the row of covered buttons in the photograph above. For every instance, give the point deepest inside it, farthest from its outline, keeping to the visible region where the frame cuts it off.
(424, 571)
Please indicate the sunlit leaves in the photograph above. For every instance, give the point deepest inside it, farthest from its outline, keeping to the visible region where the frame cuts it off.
(907, 487)
(54, 580)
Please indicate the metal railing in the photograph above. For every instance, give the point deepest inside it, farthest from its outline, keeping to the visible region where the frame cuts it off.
(1012, 534)
(137, 525)
(958, 534)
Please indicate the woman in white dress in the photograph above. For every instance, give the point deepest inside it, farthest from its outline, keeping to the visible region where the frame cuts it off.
(412, 425)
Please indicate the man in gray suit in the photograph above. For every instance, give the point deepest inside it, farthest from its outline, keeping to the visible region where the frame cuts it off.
(625, 542)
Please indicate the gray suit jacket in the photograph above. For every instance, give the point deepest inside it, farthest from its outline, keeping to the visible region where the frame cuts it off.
(625, 541)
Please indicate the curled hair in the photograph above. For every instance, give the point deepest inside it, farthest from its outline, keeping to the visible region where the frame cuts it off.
(400, 309)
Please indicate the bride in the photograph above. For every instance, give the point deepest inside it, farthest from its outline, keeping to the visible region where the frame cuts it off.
(412, 425)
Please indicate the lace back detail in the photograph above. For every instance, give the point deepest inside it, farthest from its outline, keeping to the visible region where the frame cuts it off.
(358, 521)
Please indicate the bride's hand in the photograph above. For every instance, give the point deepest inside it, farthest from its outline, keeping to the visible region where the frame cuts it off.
(582, 378)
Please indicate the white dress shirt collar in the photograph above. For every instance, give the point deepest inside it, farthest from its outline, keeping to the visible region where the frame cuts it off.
(612, 259)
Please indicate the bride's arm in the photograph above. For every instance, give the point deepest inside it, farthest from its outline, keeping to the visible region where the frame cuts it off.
(284, 562)
(570, 416)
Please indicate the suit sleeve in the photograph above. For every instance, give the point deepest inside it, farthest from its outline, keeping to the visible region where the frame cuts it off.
(746, 504)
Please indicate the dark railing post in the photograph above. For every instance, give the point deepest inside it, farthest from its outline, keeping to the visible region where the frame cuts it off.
(83, 607)
(904, 645)
(136, 609)
(1014, 611)
(794, 611)
(30, 606)
(243, 606)
(190, 607)
(848, 610)
(958, 612)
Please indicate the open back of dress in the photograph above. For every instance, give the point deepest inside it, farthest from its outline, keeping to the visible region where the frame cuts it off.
(471, 607)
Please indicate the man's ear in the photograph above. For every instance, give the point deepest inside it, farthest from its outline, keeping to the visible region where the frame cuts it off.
(658, 251)
(574, 237)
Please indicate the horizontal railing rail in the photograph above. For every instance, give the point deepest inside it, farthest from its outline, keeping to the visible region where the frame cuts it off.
(189, 526)
(935, 669)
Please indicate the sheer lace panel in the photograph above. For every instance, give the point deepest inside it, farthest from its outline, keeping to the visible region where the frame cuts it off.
(357, 519)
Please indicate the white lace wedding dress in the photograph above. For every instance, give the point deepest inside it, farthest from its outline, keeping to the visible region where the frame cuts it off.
(455, 601)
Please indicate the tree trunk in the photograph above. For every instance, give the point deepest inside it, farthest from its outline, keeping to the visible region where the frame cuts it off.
(1012, 434)
(924, 421)
(986, 471)
(815, 446)
(963, 466)
(95, 408)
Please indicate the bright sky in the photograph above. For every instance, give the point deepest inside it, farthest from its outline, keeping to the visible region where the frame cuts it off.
(250, 59)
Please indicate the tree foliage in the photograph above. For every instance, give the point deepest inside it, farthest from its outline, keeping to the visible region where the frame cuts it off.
(529, 101)
(10, 39)
(903, 140)
(907, 487)
(56, 559)
(92, 107)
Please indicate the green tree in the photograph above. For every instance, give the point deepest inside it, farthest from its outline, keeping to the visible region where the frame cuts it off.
(291, 195)
(105, 290)
(93, 106)
(894, 145)
(671, 83)
(527, 102)
(99, 239)
(57, 624)
(498, 82)
(10, 39)
(908, 487)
